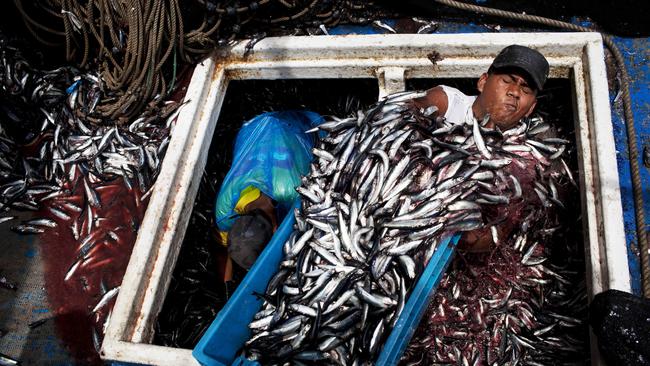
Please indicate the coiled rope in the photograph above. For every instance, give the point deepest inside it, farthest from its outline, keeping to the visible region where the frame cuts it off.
(627, 108)
(137, 41)
(135, 77)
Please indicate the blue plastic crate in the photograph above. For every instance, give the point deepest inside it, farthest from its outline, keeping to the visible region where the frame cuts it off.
(222, 342)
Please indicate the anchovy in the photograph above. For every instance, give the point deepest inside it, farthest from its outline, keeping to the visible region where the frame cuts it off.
(539, 128)
(106, 298)
(72, 269)
(91, 195)
(27, 229)
(516, 186)
(382, 25)
(59, 213)
(478, 139)
(4, 219)
(8, 361)
(41, 222)
(542, 147)
(374, 299)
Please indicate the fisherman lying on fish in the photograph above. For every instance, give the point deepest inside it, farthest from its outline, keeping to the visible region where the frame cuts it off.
(386, 188)
(508, 93)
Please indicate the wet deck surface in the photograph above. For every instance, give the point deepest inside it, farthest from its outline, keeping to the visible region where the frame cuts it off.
(22, 264)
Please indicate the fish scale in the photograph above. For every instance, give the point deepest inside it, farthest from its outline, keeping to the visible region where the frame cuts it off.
(386, 148)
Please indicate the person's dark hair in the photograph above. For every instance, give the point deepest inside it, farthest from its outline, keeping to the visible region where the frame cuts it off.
(248, 237)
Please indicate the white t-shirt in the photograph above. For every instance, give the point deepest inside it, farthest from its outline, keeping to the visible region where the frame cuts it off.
(459, 106)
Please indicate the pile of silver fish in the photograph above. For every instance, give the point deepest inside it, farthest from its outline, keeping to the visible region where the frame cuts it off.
(386, 186)
(71, 144)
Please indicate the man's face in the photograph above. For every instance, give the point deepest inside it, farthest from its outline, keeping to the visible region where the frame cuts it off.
(507, 97)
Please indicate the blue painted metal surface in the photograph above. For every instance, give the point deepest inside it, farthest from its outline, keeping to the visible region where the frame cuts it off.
(637, 53)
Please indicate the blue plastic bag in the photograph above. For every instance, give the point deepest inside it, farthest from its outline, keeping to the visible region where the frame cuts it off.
(272, 152)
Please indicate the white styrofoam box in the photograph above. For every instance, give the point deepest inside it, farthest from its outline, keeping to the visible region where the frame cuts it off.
(391, 59)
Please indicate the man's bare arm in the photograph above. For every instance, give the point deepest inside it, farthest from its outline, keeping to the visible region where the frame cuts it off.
(435, 96)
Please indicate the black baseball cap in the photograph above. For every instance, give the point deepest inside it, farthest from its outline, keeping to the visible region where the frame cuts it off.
(247, 238)
(527, 59)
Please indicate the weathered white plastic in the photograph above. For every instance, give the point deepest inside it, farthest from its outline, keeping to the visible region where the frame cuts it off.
(391, 59)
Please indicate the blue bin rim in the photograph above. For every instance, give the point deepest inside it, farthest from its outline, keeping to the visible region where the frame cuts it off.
(408, 320)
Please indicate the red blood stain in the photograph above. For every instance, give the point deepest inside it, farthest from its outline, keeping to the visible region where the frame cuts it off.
(112, 235)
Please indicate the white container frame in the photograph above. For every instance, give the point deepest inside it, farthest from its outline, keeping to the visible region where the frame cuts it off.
(391, 59)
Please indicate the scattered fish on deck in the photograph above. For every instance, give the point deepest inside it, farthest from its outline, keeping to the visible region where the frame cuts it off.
(56, 154)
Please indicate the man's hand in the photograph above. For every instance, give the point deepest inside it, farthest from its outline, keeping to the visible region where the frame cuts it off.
(483, 240)
(476, 241)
